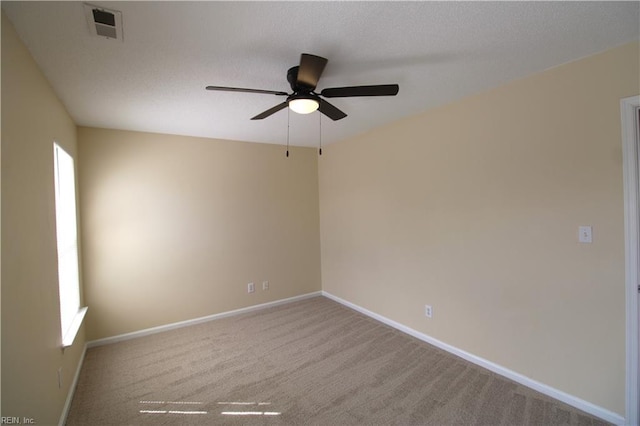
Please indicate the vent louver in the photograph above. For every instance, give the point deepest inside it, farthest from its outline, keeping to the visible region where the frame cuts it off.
(104, 22)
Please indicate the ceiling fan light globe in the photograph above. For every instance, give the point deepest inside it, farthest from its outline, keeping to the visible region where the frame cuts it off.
(303, 106)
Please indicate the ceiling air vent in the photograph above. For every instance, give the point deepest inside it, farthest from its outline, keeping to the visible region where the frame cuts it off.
(104, 22)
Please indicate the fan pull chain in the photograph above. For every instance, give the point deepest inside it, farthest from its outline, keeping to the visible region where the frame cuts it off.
(320, 150)
(288, 120)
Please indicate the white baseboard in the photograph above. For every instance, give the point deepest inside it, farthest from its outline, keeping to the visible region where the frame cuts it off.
(576, 402)
(172, 326)
(72, 389)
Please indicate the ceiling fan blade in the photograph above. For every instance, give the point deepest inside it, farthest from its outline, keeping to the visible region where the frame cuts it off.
(344, 92)
(310, 70)
(271, 111)
(331, 111)
(240, 89)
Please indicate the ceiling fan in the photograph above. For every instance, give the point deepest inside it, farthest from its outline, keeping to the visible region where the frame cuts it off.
(303, 80)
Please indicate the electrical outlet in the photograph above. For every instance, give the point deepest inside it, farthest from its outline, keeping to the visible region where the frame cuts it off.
(584, 234)
(428, 311)
(251, 288)
(265, 285)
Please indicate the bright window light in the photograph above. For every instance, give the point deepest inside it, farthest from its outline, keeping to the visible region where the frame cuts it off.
(71, 314)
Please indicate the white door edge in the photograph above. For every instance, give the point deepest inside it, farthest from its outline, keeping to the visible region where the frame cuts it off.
(629, 113)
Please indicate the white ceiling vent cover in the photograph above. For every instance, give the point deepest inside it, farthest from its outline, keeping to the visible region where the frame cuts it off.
(104, 22)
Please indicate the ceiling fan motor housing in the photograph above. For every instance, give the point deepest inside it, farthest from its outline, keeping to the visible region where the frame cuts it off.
(292, 78)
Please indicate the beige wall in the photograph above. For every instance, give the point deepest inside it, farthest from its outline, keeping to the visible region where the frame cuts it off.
(175, 227)
(474, 209)
(32, 117)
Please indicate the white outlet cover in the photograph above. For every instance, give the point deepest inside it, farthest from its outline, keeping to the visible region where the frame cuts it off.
(585, 234)
(428, 311)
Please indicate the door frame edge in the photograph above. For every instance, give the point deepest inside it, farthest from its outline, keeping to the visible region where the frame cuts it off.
(629, 110)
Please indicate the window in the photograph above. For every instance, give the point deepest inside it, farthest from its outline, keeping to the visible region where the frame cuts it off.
(71, 315)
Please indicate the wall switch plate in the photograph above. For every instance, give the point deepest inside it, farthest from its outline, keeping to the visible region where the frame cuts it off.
(428, 311)
(265, 285)
(584, 234)
(60, 378)
(251, 288)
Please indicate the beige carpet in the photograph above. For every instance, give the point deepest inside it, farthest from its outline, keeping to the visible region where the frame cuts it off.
(312, 362)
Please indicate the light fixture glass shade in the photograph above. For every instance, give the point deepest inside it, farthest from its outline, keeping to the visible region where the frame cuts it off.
(303, 106)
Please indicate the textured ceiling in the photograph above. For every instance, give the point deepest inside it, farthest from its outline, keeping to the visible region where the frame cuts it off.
(436, 51)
